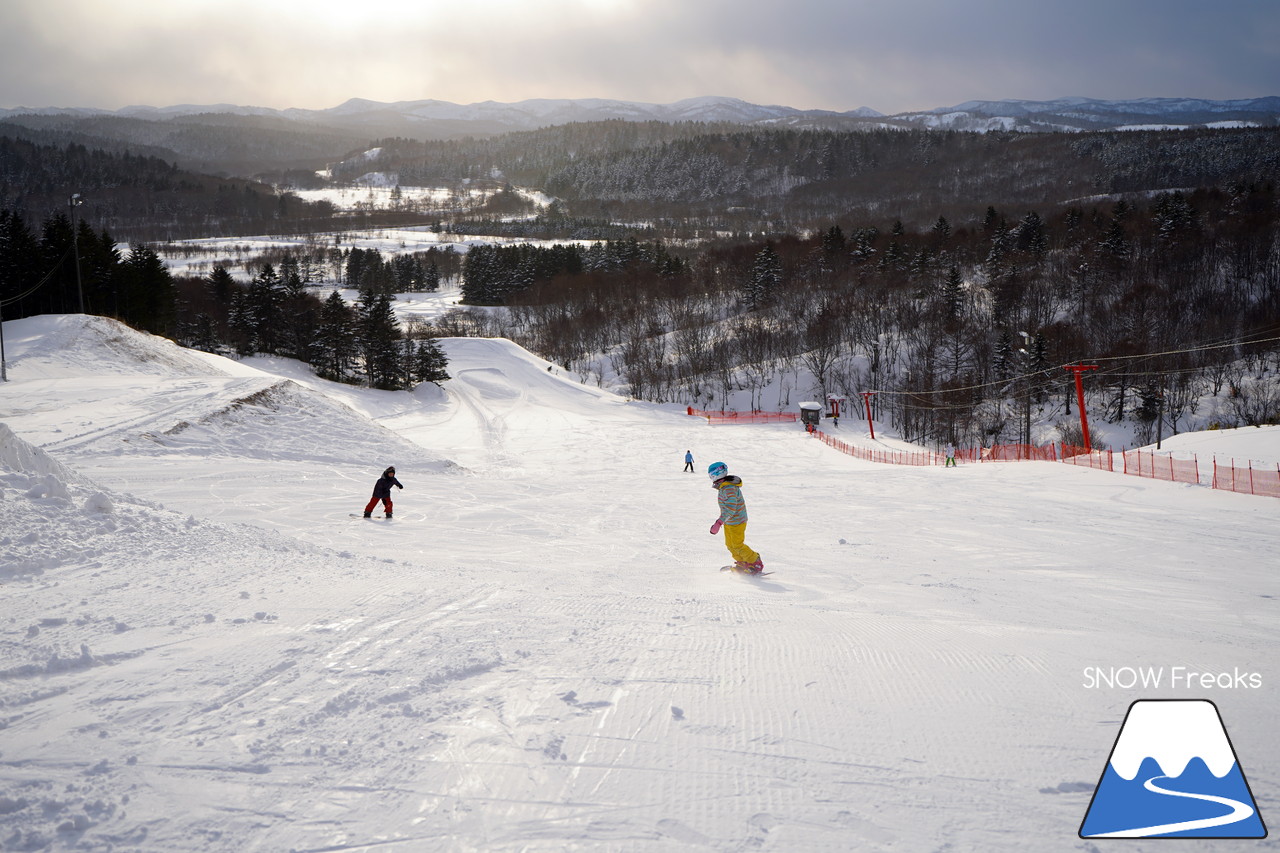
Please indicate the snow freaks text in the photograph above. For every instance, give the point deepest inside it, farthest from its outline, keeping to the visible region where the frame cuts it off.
(1170, 677)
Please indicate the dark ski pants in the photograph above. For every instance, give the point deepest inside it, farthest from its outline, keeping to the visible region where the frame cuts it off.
(373, 501)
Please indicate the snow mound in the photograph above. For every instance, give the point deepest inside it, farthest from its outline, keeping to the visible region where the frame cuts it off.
(65, 345)
(49, 514)
(285, 421)
(500, 371)
(18, 457)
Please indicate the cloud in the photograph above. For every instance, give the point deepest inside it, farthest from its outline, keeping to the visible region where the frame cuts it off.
(834, 54)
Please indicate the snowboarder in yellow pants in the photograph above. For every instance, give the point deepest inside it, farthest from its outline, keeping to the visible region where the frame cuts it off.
(733, 518)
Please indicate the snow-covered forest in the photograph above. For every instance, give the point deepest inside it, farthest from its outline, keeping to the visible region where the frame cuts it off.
(960, 319)
(964, 327)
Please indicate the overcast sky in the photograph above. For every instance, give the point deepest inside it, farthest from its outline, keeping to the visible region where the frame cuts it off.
(893, 55)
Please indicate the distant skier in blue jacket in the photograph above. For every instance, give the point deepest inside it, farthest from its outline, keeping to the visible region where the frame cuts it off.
(382, 492)
(688, 461)
(733, 518)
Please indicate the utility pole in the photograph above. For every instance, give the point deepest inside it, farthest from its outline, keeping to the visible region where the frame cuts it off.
(1026, 390)
(1159, 417)
(74, 202)
(1078, 369)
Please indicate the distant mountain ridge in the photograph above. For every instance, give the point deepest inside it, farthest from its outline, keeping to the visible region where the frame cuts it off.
(290, 146)
(430, 118)
(485, 116)
(1066, 114)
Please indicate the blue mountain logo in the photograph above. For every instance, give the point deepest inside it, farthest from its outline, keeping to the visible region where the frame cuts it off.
(1173, 773)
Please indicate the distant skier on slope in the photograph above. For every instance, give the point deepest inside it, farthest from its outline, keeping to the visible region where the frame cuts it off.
(688, 461)
(382, 492)
(733, 518)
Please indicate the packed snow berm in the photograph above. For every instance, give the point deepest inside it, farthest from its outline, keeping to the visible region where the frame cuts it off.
(199, 650)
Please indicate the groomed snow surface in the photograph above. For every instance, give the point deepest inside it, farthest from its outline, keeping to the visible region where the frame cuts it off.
(201, 650)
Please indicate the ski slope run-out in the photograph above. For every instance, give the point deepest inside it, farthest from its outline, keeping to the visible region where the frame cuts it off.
(201, 650)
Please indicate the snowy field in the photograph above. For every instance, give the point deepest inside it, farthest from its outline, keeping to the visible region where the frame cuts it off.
(374, 192)
(201, 650)
(242, 255)
(381, 191)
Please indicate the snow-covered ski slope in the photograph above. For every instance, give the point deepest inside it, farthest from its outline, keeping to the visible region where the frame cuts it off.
(201, 650)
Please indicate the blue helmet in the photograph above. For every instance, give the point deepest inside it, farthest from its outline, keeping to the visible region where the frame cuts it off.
(716, 470)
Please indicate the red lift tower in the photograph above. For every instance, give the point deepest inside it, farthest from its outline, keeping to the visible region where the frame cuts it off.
(866, 398)
(1078, 369)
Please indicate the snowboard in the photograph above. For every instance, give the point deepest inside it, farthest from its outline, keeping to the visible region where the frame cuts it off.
(738, 571)
(361, 515)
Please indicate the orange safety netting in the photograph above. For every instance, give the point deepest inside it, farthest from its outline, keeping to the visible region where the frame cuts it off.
(892, 457)
(744, 417)
(1100, 459)
(1249, 481)
(1145, 463)
(1139, 463)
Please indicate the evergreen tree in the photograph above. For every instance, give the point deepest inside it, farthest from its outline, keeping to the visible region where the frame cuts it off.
(60, 294)
(863, 245)
(290, 275)
(366, 270)
(833, 240)
(1039, 352)
(766, 277)
(379, 337)
(408, 273)
(241, 323)
(1031, 235)
(301, 320)
(994, 264)
(1002, 361)
(1115, 243)
(334, 352)
(991, 220)
(220, 285)
(201, 333)
(101, 272)
(265, 305)
(953, 294)
(430, 363)
(147, 292)
(479, 272)
(431, 277)
(1173, 214)
(20, 266)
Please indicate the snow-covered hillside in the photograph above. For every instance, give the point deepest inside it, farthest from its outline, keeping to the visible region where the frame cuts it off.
(201, 650)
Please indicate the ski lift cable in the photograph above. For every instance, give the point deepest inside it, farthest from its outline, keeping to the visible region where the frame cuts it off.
(1242, 341)
(38, 284)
